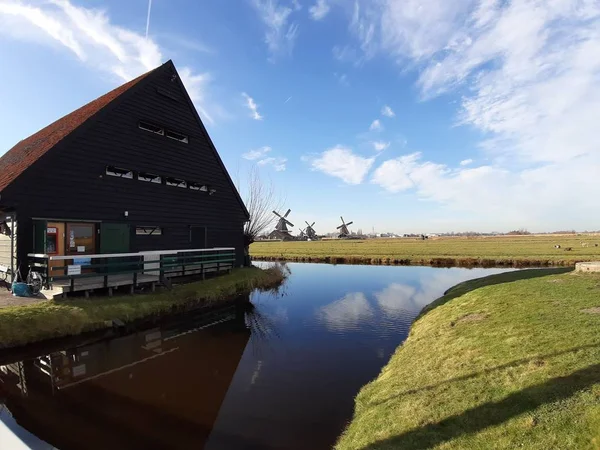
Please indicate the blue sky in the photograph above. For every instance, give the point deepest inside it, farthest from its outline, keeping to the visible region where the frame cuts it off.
(402, 115)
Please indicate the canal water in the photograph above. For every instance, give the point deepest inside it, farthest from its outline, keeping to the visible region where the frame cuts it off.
(277, 372)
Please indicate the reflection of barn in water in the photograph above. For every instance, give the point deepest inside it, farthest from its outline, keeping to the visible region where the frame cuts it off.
(162, 388)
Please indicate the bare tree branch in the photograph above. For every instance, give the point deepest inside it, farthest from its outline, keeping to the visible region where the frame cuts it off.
(260, 198)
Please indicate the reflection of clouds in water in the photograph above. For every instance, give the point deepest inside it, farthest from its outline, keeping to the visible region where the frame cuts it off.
(397, 299)
(280, 315)
(346, 313)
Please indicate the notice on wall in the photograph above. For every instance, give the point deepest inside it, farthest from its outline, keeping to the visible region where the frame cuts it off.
(74, 270)
(81, 248)
(79, 370)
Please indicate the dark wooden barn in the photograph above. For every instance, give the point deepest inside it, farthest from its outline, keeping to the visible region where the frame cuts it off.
(132, 171)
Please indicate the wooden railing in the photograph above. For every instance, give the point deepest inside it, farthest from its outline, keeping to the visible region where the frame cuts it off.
(161, 263)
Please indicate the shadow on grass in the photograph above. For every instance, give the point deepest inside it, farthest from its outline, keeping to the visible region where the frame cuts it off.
(515, 363)
(490, 280)
(493, 413)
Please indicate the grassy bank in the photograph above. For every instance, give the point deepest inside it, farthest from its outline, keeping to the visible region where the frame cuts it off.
(509, 361)
(58, 318)
(515, 251)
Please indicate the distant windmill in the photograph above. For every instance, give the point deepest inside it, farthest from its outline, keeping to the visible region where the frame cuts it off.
(281, 229)
(310, 231)
(302, 236)
(344, 228)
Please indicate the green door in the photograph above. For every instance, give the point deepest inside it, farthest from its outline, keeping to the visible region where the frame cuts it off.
(39, 236)
(114, 238)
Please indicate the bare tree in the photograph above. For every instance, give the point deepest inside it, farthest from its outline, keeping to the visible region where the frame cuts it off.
(260, 199)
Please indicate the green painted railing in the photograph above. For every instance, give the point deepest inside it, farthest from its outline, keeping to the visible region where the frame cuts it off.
(161, 264)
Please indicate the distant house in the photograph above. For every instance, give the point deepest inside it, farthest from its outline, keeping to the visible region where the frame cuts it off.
(134, 170)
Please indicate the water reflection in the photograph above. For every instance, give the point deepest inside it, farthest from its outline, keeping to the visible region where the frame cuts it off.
(280, 373)
(161, 388)
(346, 313)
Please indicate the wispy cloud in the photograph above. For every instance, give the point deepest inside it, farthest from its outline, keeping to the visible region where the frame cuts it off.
(288, 99)
(347, 54)
(341, 162)
(279, 164)
(386, 111)
(376, 125)
(252, 106)
(380, 146)
(95, 41)
(280, 34)
(257, 153)
(342, 79)
(466, 162)
(319, 10)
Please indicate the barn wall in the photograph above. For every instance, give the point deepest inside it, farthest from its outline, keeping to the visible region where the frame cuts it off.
(70, 182)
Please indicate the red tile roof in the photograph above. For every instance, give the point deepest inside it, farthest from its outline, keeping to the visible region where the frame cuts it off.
(14, 162)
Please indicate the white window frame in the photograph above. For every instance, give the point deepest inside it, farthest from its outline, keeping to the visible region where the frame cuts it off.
(198, 187)
(176, 182)
(112, 171)
(149, 178)
(173, 135)
(148, 231)
(143, 125)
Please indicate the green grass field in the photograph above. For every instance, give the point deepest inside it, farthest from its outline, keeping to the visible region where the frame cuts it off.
(508, 361)
(487, 251)
(22, 325)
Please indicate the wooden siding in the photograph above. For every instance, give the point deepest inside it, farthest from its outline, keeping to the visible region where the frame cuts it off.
(5, 247)
(69, 182)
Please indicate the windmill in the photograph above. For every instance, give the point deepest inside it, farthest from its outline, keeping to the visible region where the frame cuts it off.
(302, 236)
(344, 233)
(310, 231)
(281, 229)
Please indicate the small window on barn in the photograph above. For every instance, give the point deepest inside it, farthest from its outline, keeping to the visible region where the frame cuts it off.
(147, 126)
(198, 186)
(148, 231)
(150, 177)
(176, 182)
(119, 172)
(177, 136)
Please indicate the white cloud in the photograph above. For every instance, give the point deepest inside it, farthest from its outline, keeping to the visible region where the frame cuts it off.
(342, 79)
(256, 154)
(280, 35)
(94, 40)
(340, 162)
(466, 162)
(279, 164)
(347, 54)
(376, 125)
(527, 196)
(259, 155)
(379, 146)
(387, 111)
(528, 74)
(319, 10)
(346, 313)
(252, 106)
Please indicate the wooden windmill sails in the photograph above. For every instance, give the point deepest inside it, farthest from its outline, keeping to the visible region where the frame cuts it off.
(310, 231)
(281, 229)
(344, 232)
